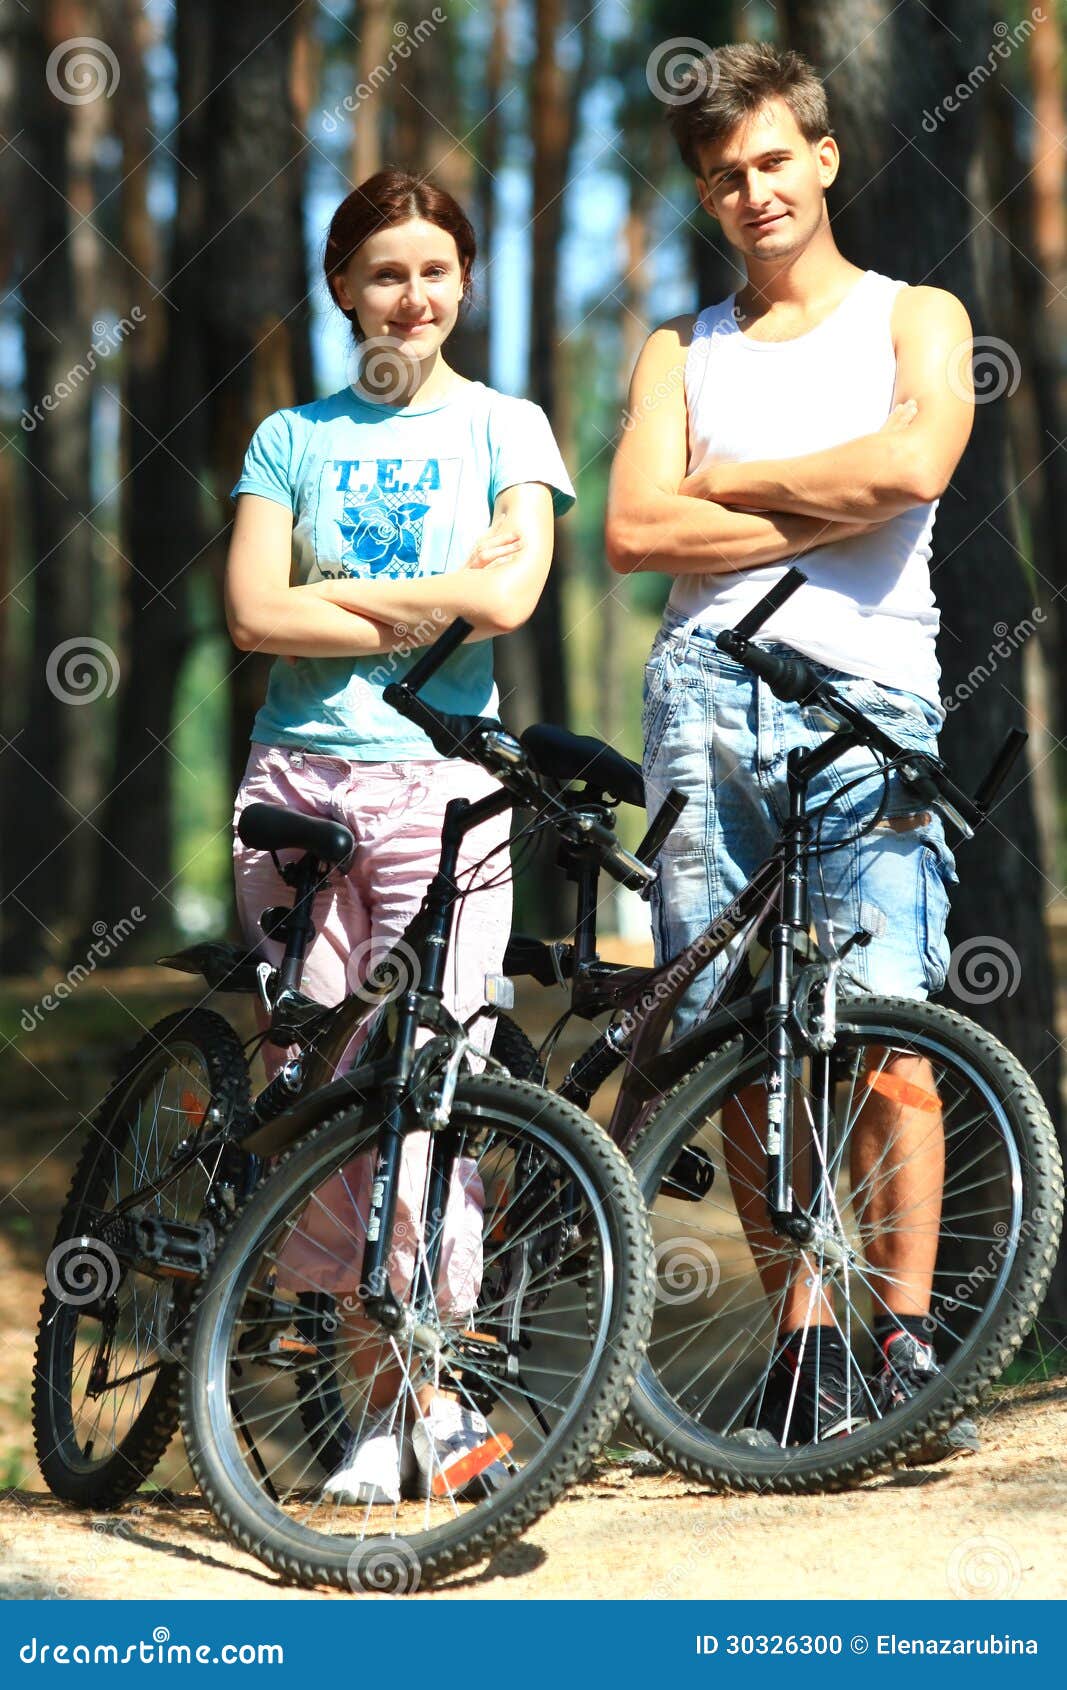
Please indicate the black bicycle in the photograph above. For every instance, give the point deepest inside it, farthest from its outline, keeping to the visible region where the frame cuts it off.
(166, 1163)
(816, 1161)
(518, 1288)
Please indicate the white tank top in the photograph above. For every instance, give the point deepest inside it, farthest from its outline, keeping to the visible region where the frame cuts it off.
(867, 608)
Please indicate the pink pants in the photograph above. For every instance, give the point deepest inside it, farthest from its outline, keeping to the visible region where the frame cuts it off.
(396, 812)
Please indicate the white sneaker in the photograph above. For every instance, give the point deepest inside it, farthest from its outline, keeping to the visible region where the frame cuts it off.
(457, 1451)
(373, 1471)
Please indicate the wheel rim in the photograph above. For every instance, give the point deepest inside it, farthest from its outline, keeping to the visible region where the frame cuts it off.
(718, 1331)
(566, 1315)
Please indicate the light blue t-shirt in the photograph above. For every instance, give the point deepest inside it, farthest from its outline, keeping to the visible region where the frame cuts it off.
(382, 491)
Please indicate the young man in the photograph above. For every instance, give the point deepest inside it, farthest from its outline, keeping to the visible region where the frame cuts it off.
(818, 414)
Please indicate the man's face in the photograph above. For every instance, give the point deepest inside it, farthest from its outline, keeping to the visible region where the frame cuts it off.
(766, 184)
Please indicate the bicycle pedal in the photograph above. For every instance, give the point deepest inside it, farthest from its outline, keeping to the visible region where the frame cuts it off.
(461, 1472)
(479, 1344)
(690, 1177)
(280, 1351)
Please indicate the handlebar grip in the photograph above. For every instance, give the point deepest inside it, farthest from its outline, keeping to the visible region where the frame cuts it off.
(789, 678)
(448, 734)
(662, 823)
(769, 603)
(1014, 741)
(433, 657)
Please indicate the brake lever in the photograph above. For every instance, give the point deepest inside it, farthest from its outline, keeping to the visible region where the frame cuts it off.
(927, 792)
(952, 815)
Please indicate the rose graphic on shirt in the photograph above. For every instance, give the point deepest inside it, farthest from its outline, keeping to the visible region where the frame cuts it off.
(381, 534)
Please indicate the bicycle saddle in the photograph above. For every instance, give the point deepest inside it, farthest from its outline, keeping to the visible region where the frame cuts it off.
(271, 827)
(567, 756)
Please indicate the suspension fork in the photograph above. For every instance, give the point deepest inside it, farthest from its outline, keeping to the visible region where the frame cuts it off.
(376, 1293)
(785, 1063)
(444, 1149)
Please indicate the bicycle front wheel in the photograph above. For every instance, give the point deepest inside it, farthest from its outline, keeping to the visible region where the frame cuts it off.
(936, 1191)
(289, 1391)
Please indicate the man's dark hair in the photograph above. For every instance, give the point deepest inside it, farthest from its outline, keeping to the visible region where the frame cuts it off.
(732, 83)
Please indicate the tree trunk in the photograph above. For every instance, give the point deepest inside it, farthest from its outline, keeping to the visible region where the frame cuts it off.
(553, 116)
(901, 205)
(46, 774)
(254, 307)
(514, 659)
(375, 39)
(163, 523)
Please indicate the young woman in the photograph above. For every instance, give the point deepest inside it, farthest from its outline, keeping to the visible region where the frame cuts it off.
(365, 522)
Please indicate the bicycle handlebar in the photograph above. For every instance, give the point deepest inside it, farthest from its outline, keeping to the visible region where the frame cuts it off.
(468, 737)
(439, 652)
(795, 682)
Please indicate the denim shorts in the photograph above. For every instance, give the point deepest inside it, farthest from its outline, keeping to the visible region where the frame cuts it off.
(719, 735)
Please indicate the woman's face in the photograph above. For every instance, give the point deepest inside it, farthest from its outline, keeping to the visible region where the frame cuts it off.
(405, 283)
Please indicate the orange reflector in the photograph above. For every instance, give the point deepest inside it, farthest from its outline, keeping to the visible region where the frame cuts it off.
(192, 1107)
(903, 1091)
(292, 1347)
(482, 1337)
(460, 1472)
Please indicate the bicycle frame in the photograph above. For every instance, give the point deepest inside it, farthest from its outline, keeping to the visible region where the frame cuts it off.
(394, 1123)
(641, 1002)
(388, 1081)
(646, 999)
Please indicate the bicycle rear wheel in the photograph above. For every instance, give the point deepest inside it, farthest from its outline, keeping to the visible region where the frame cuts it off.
(721, 1335)
(544, 1340)
(105, 1392)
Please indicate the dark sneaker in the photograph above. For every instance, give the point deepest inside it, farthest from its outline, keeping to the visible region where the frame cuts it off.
(907, 1365)
(809, 1396)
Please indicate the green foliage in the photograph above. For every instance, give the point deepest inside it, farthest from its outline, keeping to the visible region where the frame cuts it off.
(202, 799)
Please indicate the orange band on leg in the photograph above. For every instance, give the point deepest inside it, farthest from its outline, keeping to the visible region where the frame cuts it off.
(903, 1091)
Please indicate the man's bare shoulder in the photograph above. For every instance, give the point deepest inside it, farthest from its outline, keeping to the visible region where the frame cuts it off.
(676, 334)
(926, 310)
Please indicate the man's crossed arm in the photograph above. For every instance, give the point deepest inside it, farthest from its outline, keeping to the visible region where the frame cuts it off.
(737, 515)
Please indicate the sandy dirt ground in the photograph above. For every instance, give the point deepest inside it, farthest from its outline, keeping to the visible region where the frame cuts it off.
(993, 1525)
